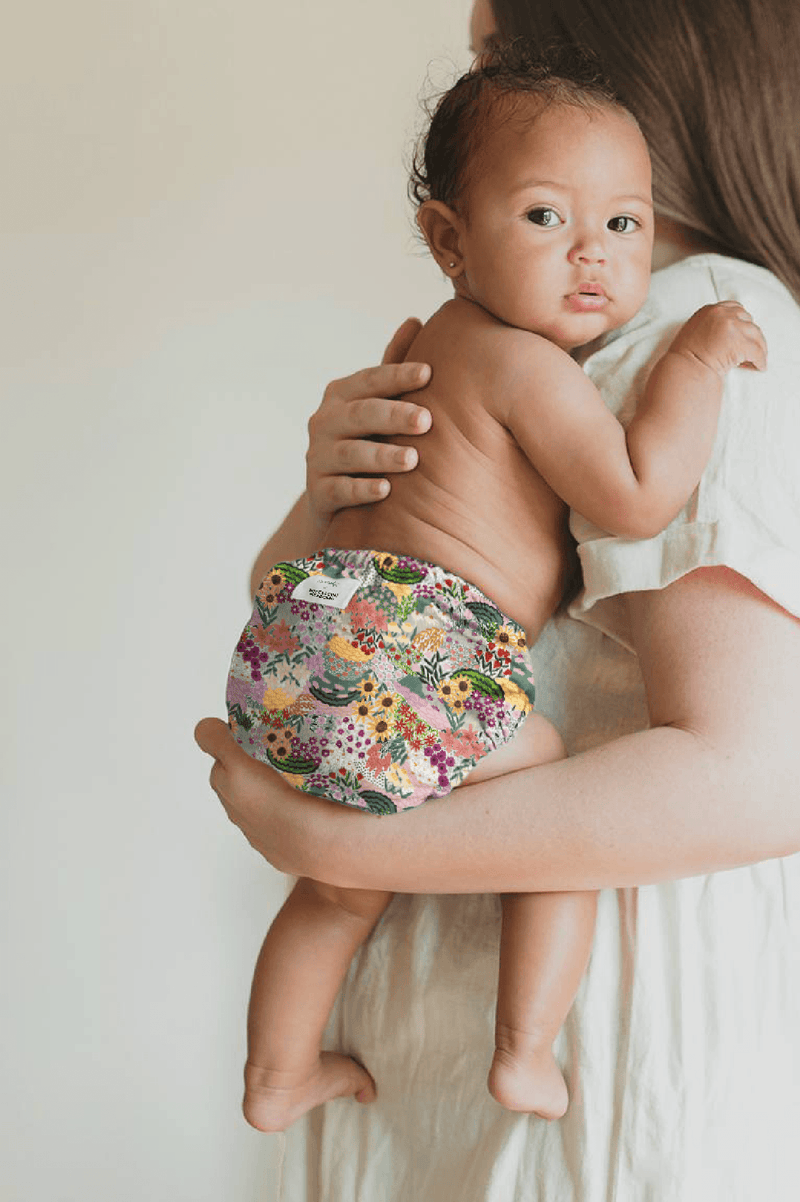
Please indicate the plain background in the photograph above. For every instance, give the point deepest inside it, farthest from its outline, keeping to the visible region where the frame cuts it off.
(202, 220)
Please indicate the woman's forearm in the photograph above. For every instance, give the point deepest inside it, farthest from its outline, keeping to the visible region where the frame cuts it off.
(657, 805)
(652, 806)
(714, 788)
(714, 784)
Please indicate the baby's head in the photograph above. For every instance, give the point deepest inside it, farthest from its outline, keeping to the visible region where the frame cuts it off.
(533, 187)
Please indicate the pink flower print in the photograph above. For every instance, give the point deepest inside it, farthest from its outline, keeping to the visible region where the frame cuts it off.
(460, 654)
(364, 616)
(382, 669)
(464, 743)
(377, 762)
(280, 639)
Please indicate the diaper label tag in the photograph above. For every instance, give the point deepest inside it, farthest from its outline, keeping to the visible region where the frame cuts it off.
(336, 591)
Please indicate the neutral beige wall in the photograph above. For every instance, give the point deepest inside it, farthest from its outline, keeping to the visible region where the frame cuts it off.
(202, 219)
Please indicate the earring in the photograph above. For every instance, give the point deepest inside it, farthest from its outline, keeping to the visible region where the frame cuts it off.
(453, 264)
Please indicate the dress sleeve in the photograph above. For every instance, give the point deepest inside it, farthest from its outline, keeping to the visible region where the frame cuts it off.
(745, 512)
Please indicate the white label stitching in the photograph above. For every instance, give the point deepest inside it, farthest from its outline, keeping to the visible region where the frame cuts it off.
(334, 591)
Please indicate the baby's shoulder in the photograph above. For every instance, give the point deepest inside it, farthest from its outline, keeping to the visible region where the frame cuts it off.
(679, 290)
(502, 355)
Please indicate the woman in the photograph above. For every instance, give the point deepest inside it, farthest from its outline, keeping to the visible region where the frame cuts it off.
(683, 1049)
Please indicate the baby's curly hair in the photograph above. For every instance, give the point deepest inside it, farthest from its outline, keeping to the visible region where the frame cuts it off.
(487, 96)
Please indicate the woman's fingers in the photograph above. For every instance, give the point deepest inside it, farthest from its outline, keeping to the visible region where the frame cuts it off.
(332, 493)
(401, 341)
(349, 436)
(267, 811)
(214, 738)
(349, 467)
(371, 383)
(373, 417)
(236, 778)
(347, 463)
(352, 455)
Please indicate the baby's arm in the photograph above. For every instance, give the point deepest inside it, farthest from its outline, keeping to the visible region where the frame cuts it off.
(632, 483)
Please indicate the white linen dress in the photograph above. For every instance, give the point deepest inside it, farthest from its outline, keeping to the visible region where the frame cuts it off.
(682, 1051)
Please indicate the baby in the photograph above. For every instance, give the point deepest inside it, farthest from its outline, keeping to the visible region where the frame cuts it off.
(392, 665)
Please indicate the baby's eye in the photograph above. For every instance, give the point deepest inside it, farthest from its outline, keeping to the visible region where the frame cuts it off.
(623, 225)
(545, 217)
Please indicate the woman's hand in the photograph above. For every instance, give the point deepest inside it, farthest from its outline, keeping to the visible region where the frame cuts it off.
(344, 465)
(252, 794)
(296, 832)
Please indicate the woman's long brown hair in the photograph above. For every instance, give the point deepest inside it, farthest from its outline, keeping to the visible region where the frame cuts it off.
(715, 86)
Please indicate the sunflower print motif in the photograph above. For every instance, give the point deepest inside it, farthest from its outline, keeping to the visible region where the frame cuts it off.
(387, 702)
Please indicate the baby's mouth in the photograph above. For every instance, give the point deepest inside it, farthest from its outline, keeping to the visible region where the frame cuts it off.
(587, 297)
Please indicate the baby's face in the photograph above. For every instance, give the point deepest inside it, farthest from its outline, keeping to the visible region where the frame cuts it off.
(558, 232)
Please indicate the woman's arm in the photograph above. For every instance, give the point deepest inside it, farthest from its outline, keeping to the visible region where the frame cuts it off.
(354, 411)
(717, 787)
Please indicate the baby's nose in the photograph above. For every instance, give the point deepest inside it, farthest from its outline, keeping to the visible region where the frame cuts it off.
(588, 252)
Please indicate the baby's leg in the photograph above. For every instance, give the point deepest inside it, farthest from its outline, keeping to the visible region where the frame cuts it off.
(536, 742)
(301, 965)
(544, 949)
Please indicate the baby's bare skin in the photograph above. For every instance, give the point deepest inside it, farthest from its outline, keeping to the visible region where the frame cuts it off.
(519, 433)
(517, 426)
(475, 504)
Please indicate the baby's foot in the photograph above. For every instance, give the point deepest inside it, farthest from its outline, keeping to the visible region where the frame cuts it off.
(531, 1082)
(274, 1100)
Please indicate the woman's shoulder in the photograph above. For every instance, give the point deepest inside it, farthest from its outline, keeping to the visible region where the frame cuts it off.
(745, 512)
(678, 290)
(619, 367)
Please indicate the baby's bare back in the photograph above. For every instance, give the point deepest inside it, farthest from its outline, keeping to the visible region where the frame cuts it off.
(474, 504)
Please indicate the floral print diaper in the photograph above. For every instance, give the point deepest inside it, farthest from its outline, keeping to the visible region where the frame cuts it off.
(375, 680)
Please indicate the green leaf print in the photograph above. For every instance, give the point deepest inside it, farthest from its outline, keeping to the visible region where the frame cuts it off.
(378, 803)
(329, 696)
(405, 607)
(242, 718)
(295, 765)
(397, 749)
(265, 613)
(488, 618)
(291, 572)
(398, 575)
(429, 671)
(456, 720)
(482, 684)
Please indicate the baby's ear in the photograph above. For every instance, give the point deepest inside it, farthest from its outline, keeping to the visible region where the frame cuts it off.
(442, 227)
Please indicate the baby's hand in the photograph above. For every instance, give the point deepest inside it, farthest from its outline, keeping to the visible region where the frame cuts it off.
(722, 336)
